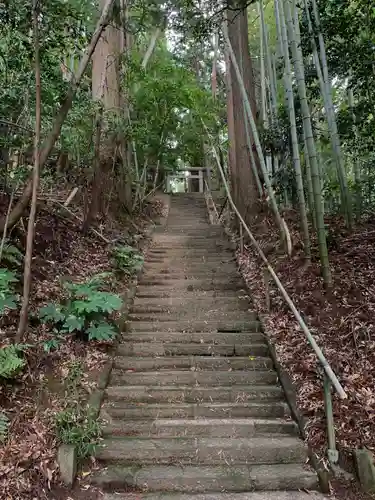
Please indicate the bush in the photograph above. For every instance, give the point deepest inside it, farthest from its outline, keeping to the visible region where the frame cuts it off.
(127, 259)
(86, 311)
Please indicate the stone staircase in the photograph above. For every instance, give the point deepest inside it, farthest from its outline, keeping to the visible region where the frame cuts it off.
(193, 407)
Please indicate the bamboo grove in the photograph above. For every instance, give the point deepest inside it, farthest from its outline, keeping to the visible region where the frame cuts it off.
(285, 84)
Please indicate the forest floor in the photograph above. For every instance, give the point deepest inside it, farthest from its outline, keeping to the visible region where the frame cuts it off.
(28, 469)
(341, 319)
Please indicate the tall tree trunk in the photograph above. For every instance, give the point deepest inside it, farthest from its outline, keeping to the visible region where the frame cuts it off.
(294, 138)
(246, 102)
(246, 193)
(310, 142)
(93, 207)
(22, 325)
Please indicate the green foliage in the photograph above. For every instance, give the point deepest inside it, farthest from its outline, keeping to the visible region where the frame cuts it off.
(79, 427)
(128, 259)
(8, 297)
(86, 310)
(4, 426)
(11, 360)
(11, 255)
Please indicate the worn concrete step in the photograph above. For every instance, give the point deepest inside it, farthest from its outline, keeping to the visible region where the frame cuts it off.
(194, 284)
(264, 495)
(188, 394)
(244, 363)
(256, 450)
(195, 326)
(135, 411)
(192, 255)
(182, 269)
(212, 428)
(226, 340)
(200, 275)
(173, 315)
(194, 260)
(198, 479)
(142, 304)
(164, 349)
(164, 292)
(191, 378)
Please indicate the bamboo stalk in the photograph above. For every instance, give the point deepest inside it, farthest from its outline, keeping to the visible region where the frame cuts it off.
(293, 132)
(322, 359)
(310, 141)
(335, 138)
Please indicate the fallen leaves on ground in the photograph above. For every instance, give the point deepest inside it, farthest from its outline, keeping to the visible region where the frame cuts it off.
(27, 457)
(341, 320)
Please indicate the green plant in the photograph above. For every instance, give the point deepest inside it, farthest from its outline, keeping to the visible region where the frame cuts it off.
(74, 377)
(8, 297)
(78, 426)
(11, 362)
(86, 310)
(4, 426)
(128, 259)
(11, 255)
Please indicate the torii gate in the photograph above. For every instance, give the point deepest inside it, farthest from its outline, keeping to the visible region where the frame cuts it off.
(193, 174)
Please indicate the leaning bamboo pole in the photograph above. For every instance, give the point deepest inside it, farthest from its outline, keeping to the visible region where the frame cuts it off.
(311, 339)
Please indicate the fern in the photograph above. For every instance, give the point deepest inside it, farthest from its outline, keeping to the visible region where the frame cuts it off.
(4, 426)
(127, 259)
(11, 363)
(11, 255)
(8, 297)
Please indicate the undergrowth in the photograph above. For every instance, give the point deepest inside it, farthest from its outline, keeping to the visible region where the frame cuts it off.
(77, 424)
(86, 312)
(127, 259)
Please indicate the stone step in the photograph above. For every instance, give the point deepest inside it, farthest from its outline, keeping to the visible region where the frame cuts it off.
(208, 341)
(164, 292)
(182, 269)
(193, 284)
(198, 479)
(244, 363)
(195, 326)
(194, 260)
(264, 495)
(135, 411)
(193, 378)
(215, 451)
(212, 428)
(191, 243)
(193, 255)
(179, 314)
(200, 275)
(188, 394)
(153, 349)
(142, 304)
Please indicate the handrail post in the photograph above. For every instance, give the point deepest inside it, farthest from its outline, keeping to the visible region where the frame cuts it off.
(333, 454)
